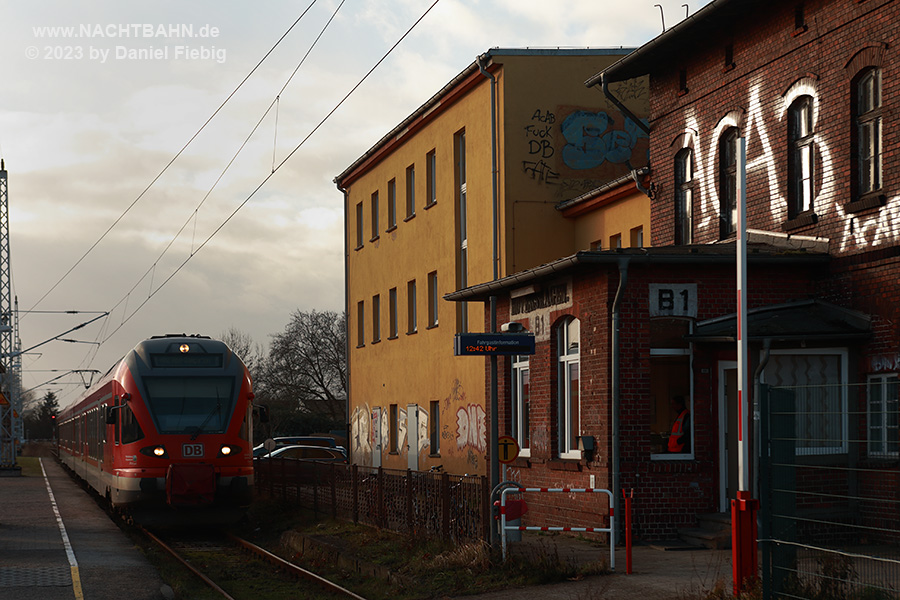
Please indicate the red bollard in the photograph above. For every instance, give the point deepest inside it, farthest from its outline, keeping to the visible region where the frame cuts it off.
(744, 563)
(628, 530)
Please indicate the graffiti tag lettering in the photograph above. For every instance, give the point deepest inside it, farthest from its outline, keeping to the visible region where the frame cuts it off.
(471, 427)
(540, 171)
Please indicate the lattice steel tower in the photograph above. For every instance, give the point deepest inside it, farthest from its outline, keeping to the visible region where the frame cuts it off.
(9, 387)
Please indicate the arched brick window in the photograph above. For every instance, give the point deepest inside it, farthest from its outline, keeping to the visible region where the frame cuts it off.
(801, 172)
(684, 195)
(728, 182)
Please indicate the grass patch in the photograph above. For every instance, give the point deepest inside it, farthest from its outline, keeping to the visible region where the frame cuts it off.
(406, 568)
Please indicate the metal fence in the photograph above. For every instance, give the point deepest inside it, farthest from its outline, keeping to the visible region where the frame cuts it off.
(830, 491)
(420, 503)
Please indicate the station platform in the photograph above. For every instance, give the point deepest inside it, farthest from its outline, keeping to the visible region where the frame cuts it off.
(56, 543)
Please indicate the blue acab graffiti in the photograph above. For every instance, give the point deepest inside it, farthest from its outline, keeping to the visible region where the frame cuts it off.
(590, 141)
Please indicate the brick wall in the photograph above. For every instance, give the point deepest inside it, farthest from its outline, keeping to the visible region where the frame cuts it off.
(667, 494)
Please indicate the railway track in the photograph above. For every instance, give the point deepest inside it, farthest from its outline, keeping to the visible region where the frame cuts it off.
(237, 569)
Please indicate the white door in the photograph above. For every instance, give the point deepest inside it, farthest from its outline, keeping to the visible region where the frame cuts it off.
(728, 442)
(376, 436)
(412, 436)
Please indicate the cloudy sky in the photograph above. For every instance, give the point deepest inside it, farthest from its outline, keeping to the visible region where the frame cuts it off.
(124, 199)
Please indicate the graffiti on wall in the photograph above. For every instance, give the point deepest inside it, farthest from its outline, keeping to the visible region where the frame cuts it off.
(756, 123)
(582, 141)
(592, 140)
(471, 427)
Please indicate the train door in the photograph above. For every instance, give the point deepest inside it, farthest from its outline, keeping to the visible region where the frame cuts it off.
(376, 436)
(412, 436)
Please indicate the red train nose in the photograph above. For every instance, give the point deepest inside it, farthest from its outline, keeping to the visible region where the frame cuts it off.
(190, 485)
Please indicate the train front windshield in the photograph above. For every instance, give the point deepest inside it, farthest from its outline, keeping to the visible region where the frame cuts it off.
(193, 405)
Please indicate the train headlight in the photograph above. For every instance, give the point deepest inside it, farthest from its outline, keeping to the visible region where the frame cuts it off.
(229, 450)
(158, 451)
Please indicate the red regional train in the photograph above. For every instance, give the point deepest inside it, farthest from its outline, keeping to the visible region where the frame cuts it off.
(168, 427)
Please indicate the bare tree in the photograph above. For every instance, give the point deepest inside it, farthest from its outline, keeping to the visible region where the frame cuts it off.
(252, 353)
(306, 365)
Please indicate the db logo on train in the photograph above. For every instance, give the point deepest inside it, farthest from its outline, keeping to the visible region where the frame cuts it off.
(192, 450)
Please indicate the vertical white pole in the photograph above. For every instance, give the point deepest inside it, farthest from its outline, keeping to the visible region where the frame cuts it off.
(743, 367)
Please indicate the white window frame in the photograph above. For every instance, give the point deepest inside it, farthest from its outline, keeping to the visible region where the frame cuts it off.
(521, 369)
(842, 353)
(567, 360)
(881, 450)
(690, 400)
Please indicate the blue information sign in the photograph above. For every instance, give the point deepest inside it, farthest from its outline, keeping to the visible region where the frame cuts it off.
(497, 344)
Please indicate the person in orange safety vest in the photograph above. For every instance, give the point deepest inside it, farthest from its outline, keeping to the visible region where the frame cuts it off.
(680, 438)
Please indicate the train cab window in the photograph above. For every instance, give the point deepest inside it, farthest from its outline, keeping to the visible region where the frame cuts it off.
(130, 428)
(190, 404)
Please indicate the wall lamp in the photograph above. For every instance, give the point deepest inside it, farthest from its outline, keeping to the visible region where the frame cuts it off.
(586, 445)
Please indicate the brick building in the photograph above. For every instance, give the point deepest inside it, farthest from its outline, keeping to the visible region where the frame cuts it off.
(809, 85)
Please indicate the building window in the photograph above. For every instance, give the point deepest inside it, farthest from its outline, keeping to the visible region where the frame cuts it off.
(392, 309)
(800, 163)
(359, 225)
(462, 228)
(728, 183)
(392, 203)
(684, 196)
(394, 429)
(411, 306)
(374, 216)
(430, 179)
(434, 428)
(568, 335)
(637, 237)
(816, 380)
(670, 390)
(884, 433)
(410, 191)
(682, 82)
(799, 20)
(376, 318)
(867, 118)
(432, 299)
(360, 324)
(521, 403)
(615, 241)
(729, 57)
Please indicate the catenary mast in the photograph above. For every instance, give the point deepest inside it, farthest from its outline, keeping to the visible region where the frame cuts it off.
(9, 415)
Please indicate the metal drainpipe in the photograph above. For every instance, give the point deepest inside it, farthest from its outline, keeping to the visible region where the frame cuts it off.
(481, 60)
(495, 408)
(617, 304)
(604, 85)
(347, 322)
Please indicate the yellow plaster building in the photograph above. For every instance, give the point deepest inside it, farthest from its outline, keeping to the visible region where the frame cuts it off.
(425, 217)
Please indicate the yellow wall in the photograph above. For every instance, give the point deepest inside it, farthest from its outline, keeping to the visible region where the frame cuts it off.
(619, 217)
(536, 94)
(420, 368)
(561, 140)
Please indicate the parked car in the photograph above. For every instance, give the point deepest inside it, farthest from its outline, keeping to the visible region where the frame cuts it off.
(299, 440)
(317, 453)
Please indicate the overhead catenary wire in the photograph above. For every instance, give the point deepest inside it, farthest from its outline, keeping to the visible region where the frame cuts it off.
(152, 270)
(274, 170)
(173, 159)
